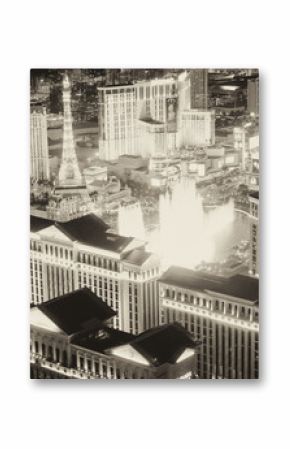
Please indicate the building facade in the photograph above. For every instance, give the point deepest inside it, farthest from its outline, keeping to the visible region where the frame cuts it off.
(198, 80)
(220, 312)
(254, 233)
(39, 161)
(146, 118)
(117, 115)
(253, 96)
(85, 346)
(154, 98)
(80, 253)
(197, 128)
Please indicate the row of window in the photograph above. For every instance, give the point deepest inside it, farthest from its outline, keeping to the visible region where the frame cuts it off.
(214, 305)
(149, 273)
(104, 368)
(224, 350)
(100, 262)
(151, 91)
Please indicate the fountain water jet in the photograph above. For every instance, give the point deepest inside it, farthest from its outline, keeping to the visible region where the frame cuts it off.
(130, 221)
(187, 233)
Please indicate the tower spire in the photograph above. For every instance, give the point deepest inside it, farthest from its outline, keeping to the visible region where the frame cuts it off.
(69, 172)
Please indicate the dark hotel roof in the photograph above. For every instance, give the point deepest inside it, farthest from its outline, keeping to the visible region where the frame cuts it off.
(163, 344)
(108, 338)
(137, 256)
(88, 229)
(239, 286)
(254, 194)
(37, 223)
(77, 311)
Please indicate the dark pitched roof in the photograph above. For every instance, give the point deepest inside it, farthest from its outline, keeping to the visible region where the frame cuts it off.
(239, 286)
(137, 256)
(106, 339)
(38, 223)
(80, 227)
(254, 194)
(77, 311)
(163, 344)
(92, 231)
(88, 229)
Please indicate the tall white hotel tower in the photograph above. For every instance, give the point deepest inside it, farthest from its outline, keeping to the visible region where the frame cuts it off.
(69, 172)
(39, 161)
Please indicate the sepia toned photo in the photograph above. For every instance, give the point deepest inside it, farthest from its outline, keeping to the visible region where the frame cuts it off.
(144, 224)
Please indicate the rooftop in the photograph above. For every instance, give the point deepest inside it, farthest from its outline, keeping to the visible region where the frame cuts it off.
(106, 339)
(238, 286)
(116, 86)
(137, 256)
(92, 231)
(77, 311)
(163, 344)
(38, 223)
(88, 229)
(254, 194)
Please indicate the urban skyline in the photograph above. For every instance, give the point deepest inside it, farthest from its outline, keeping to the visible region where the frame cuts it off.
(144, 224)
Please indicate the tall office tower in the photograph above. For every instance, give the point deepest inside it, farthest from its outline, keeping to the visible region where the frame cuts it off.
(112, 77)
(198, 88)
(69, 172)
(117, 114)
(222, 313)
(39, 161)
(192, 88)
(197, 128)
(253, 96)
(84, 346)
(254, 233)
(82, 253)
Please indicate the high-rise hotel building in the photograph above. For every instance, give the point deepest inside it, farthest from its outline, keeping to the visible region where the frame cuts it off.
(71, 337)
(193, 89)
(254, 233)
(155, 117)
(117, 116)
(220, 312)
(39, 161)
(253, 96)
(82, 253)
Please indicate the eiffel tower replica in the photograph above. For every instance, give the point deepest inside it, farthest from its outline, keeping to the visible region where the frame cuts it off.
(70, 180)
(70, 185)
